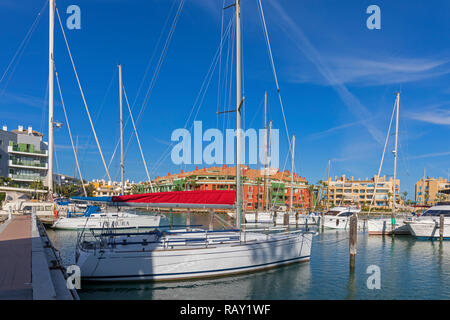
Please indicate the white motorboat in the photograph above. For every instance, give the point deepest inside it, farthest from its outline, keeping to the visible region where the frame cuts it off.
(110, 219)
(427, 226)
(183, 254)
(41, 208)
(339, 217)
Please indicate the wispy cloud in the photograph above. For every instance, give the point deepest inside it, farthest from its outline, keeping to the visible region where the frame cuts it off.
(329, 131)
(437, 116)
(431, 155)
(377, 71)
(305, 46)
(23, 99)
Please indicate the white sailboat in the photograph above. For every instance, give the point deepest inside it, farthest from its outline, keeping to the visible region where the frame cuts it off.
(184, 254)
(110, 219)
(382, 226)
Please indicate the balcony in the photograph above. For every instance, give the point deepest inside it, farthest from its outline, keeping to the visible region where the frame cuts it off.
(26, 177)
(28, 164)
(15, 149)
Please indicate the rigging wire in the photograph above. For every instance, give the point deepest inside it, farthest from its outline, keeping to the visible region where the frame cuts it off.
(137, 138)
(220, 66)
(198, 100)
(143, 80)
(157, 70)
(20, 50)
(269, 49)
(99, 112)
(153, 55)
(160, 61)
(382, 157)
(274, 70)
(82, 93)
(70, 132)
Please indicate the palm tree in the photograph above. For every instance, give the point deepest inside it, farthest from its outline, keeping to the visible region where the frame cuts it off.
(405, 194)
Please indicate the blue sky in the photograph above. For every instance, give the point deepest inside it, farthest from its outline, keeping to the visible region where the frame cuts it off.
(337, 80)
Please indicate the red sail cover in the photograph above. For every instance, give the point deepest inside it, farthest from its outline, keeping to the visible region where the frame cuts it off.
(226, 197)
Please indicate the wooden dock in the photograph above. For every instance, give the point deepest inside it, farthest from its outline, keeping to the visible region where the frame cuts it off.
(15, 257)
(27, 263)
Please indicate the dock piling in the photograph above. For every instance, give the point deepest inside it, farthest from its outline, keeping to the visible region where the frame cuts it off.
(286, 219)
(441, 227)
(322, 221)
(188, 218)
(211, 220)
(352, 240)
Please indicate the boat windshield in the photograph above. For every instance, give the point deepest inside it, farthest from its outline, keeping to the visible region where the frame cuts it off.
(436, 213)
(333, 213)
(346, 214)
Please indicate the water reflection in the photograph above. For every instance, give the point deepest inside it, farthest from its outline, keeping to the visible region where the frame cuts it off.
(410, 269)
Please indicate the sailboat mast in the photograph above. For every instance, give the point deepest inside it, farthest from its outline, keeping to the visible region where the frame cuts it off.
(292, 173)
(238, 114)
(328, 185)
(268, 193)
(50, 98)
(122, 182)
(265, 150)
(395, 153)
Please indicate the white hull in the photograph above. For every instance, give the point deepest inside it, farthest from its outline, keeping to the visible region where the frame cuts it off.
(267, 217)
(428, 228)
(333, 222)
(384, 226)
(263, 217)
(95, 221)
(186, 259)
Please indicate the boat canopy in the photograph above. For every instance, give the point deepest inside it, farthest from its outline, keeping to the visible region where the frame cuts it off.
(93, 199)
(177, 199)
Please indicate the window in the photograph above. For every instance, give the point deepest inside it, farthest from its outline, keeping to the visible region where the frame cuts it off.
(436, 213)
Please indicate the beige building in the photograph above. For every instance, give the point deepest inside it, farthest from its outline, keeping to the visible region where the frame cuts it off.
(110, 188)
(429, 191)
(343, 191)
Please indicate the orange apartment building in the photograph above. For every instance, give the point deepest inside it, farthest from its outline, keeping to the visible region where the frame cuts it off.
(223, 178)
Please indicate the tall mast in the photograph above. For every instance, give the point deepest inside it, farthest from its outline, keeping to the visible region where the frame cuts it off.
(265, 150)
(238, 114)
(328, 185)
(268, 193)
(76, 155)
(50, 98)
(292, 173)
(122, 182)
(395, 153)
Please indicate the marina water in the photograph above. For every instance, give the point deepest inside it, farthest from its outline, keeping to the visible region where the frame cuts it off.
(409, 269)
